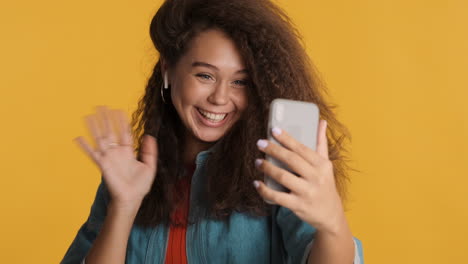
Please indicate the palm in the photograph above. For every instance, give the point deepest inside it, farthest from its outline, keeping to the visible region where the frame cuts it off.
(126, 175)
(127, 179)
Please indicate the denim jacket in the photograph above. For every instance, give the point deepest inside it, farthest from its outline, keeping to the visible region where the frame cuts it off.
(281, 237)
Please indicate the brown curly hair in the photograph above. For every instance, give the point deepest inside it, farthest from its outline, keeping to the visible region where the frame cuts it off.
(278, 67)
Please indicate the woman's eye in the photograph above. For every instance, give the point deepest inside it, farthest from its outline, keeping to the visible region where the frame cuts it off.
(203, 76)
(240, 83)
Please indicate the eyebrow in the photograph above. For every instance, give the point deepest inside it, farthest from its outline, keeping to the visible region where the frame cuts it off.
(204, 64)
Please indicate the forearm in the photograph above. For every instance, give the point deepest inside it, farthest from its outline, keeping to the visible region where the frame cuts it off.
(333, 248)
(111, 243)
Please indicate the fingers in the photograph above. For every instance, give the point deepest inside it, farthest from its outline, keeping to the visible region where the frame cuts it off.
(101, 126)
(293, 160)
(284, 199)
(322, 142)
(96, 132)
(93, 155)
(292, 144)
(125, 129)
(103, 131)
(106, 119)
(287, 179)
(149, 151)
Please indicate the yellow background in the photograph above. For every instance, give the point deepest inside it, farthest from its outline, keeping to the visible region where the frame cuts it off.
(396, 68)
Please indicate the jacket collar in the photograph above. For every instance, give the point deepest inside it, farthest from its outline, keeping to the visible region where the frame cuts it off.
(202, 155)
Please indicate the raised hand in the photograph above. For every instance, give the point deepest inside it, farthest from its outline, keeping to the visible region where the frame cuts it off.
(127, 179)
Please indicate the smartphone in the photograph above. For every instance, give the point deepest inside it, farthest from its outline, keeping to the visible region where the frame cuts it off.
(300, 120)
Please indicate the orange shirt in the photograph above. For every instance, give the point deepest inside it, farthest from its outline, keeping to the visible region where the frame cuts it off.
(176, 249)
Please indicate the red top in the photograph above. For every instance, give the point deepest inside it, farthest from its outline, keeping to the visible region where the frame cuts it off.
(176, 249)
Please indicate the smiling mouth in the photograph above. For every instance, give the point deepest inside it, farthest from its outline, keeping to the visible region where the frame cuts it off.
(212, 117)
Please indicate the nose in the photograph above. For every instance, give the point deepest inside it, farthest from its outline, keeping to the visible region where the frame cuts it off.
(220, 94)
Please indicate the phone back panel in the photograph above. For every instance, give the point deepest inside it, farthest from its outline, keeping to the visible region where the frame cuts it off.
(300, 120)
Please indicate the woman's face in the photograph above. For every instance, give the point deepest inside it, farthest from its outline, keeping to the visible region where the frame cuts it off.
(208, 86)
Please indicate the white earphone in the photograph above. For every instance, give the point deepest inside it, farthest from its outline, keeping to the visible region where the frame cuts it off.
(166, 85)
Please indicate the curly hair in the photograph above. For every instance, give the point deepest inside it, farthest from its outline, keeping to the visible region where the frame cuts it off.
(278, 67)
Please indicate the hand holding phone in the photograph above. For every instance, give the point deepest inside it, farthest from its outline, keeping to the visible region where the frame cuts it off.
(300, 120)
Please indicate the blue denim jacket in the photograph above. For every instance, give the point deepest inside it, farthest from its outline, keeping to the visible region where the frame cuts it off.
(279, 238)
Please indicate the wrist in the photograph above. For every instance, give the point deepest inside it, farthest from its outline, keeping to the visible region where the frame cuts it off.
(334, 245)
(126, 208)
(337, 228)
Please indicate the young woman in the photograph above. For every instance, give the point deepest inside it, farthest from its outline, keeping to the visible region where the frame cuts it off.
(194, 191)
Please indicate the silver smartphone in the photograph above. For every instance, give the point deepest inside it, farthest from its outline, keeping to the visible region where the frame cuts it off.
(300, 120)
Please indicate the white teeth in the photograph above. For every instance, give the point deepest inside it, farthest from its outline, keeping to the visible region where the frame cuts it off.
(211, 116)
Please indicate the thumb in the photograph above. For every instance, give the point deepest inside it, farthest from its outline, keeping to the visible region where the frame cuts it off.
(149, 151)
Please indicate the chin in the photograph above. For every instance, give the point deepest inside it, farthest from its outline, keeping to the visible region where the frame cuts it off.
(209, 137)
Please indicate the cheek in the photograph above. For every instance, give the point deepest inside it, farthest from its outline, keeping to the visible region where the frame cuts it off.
(184, 93)
(241, 100)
